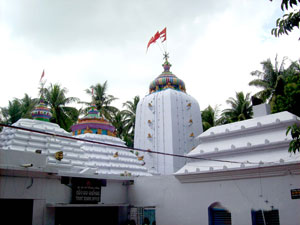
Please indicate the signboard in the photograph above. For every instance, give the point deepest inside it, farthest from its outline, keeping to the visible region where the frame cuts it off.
(86, 191)
(295, 193)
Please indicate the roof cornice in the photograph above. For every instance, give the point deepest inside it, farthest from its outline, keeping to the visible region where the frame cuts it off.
(281, 169)
(247, 130)
(283, 144)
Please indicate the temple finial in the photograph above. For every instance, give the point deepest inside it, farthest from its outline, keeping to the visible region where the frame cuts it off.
(166, 56)
(166, 64)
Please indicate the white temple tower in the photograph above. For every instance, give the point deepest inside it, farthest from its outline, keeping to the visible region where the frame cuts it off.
(167, 120)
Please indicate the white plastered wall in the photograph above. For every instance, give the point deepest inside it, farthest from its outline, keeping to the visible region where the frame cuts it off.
(163, 125)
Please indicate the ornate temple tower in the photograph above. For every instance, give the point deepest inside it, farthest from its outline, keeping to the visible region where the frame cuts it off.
(103, 159)
(167, 120)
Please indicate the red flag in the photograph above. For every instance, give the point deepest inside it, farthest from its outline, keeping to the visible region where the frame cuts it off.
(150, 42)
(163, 34)
(153, 39)
(43, 74)
(156, 36)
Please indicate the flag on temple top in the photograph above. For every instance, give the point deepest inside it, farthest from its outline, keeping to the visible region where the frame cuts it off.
(43, 74)
(153, 39)
(163, 34)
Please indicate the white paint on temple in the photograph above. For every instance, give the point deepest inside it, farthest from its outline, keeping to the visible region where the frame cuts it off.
(101, 157)
(262, 141)
(167, 121)
(78, 157)
(261, 110)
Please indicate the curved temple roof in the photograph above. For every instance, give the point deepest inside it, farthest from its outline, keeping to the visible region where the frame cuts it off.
(93, 123)
(166, 80)
(41, 112)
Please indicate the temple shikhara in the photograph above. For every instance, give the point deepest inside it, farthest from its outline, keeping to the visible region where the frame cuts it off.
(167, 120)
(239, 173)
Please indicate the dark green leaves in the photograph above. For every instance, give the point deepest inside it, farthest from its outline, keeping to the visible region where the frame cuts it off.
(295, 133)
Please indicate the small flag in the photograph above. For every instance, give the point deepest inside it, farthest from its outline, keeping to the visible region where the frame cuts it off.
(43, 74)
(163, 34)
(153, 39)
(92, 91)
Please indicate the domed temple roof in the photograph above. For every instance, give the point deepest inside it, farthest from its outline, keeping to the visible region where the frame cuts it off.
(41, 112)
(93, 123)
(166, 80)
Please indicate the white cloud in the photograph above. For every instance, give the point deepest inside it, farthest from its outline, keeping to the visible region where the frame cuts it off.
(214, 45)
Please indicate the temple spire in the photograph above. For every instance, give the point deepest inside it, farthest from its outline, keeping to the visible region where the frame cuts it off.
(166, 64)
(166, 56)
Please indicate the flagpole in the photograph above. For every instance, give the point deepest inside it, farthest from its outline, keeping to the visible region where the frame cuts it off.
(42, 85)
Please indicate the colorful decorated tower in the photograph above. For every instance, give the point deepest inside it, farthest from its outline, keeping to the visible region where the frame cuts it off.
(41, 112)
(106, 159)
(94, 124)
(167, 120)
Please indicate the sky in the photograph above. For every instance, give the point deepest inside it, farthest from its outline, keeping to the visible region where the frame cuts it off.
(213, 45)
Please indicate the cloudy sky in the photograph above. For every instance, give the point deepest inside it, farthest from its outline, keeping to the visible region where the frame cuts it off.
(213, 45)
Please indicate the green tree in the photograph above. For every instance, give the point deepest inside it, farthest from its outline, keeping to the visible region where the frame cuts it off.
(17, 109)
(28, 105)
(117, 119)
(268, 78)
(101, 99)
(289, 20)
(130, 115)
(240, 108)
(62, 114)
(295, 133)
(210, 117)
(288, 96)
(13, 112)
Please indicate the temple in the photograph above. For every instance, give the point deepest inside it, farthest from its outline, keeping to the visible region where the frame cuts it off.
(167, 120)
(76, 156)
(237, 173)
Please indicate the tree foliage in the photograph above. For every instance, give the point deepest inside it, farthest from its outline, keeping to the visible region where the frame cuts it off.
(268, 78)
(130, 113)
(295, 133)
(288, 96)
(210, 117)
(240, 108)
(62, 114)
(279, 85)
(17, 109)
(101, 99)
(289, 20)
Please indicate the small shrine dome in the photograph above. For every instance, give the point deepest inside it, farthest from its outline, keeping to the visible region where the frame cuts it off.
(166, 79)
(41, 112)
(94, 124)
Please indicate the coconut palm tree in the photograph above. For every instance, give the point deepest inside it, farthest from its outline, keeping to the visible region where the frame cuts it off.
(101, 99)
(240, 108)
(130, 113)
(270, 76)
(63, 115)
(13, 112)
(210, 117)
(117, 119)
(28, 105)
(17, 109)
